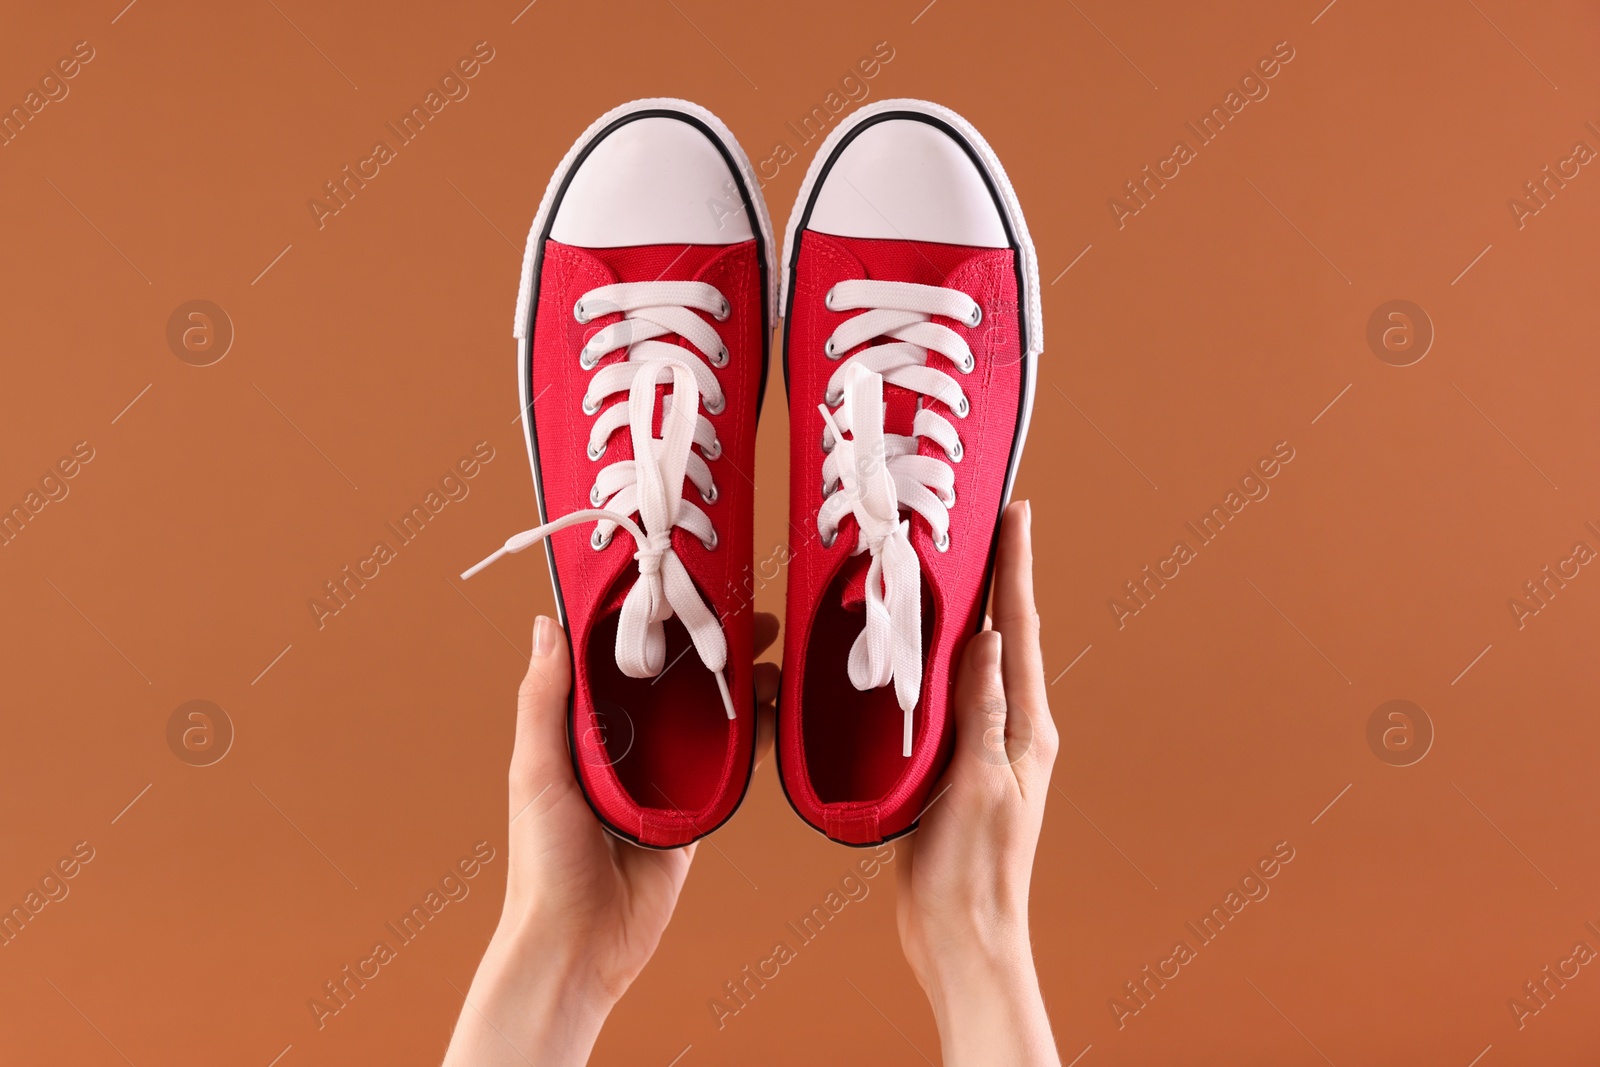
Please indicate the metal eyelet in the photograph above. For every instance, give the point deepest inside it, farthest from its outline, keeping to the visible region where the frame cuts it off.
(963, 409)
(577, 311)
(956, 453)
(597, 542)
(594, 495)
(720, 359)
(827, 489)
(977, 316)
(968, 365)
(711, 497)
(722, 316)
(948, 502)
(827, 542)
(591, 409)
(827, 440)
(595, 453)
(711, 545)
(834, 397)
(827, 301)
(828, 350)
(588, 358)
(942, 542)
(718, 407)
(714, 452)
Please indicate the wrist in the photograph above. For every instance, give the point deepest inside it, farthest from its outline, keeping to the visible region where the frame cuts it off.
(986, 1001)
(526, 950)
(534, 997)
(965, 939)
(998, 964)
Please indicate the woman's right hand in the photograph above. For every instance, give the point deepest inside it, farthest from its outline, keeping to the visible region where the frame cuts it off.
(964, 875)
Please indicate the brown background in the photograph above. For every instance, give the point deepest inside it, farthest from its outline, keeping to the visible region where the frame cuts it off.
(1227, 716)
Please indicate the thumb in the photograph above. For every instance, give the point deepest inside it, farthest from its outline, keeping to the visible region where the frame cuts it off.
(539, 756)
(980, 705)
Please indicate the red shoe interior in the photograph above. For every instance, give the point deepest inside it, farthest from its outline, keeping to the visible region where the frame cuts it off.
(667, 736)
(853, 739)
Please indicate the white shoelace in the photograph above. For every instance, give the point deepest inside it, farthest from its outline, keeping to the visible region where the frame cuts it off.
(651, 484)
(878, 473)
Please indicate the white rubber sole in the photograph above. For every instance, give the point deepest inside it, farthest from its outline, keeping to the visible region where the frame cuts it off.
(536, 236)
(1032, 300)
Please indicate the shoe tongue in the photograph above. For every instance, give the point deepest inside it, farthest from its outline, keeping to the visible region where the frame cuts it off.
(922, 262)
(855, 587)
(650, 263)
(899, 261)
(904, 261)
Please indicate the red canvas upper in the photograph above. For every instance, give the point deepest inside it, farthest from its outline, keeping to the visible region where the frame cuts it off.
(658, 758)
(840, 748)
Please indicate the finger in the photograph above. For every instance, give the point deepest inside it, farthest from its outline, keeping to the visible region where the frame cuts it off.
(766, 730)
(980, 707)
(1017, 617)
(768, 678)
(766, 631)
(539, 756)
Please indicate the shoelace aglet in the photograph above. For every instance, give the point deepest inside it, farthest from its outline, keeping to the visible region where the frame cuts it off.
(476, 567)
(514, 543)
(727, 697)
(529, 538)
(905, 744)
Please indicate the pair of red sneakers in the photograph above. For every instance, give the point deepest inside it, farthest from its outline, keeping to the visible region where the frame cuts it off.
(912, 327)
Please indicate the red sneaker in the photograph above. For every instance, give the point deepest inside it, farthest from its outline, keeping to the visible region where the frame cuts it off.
(643, 319)
(911, 333)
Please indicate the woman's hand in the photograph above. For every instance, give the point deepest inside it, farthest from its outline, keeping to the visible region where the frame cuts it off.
(963, 876)
(584, 910)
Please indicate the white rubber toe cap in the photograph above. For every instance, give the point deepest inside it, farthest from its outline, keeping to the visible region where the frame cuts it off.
(901, 179)
(652, 181)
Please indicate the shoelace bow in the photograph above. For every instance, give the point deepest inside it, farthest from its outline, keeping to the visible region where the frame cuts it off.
(878, 474)
(651, 484)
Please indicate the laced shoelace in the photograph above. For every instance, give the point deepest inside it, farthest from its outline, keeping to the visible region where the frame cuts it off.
(652, 483)
(873, 475)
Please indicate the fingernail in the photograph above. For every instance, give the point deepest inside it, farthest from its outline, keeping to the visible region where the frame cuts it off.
(544, 635)
(987, 656)
(1027, 515)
